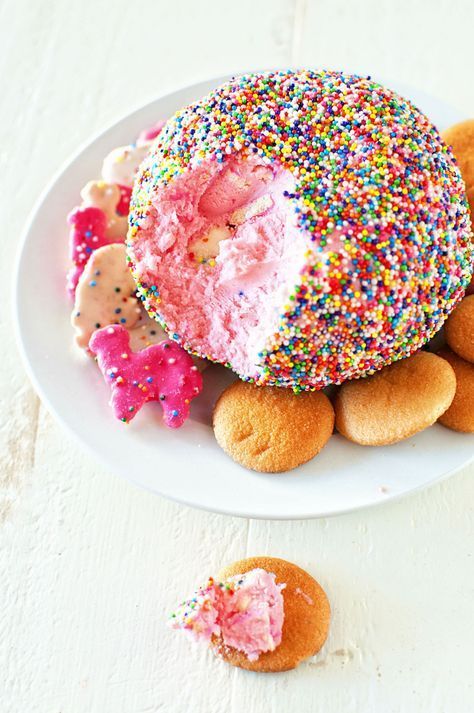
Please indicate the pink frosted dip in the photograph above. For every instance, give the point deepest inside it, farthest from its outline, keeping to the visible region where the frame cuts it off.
(223, 301)
(245, 610)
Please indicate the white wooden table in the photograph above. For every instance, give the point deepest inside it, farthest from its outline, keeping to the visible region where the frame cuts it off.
(90, 566)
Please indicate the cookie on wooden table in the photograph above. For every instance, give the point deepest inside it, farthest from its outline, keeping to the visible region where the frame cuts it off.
(460, 415)
(459, 329)
(263, 614)
(271, 429)
(307, 615)
(396, 402)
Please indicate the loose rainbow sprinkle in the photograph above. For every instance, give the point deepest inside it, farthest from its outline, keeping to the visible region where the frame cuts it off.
(377, 192)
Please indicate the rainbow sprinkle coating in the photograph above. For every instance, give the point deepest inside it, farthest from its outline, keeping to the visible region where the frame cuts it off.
(377, 195)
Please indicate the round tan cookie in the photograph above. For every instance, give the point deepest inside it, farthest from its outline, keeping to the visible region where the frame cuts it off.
(104, 294)
(461, 139)
(306, 621)
(270, 429)
(460, 415)
(396, 402)
(459, 329)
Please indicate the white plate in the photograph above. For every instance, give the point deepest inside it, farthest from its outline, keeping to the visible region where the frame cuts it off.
(186, 464)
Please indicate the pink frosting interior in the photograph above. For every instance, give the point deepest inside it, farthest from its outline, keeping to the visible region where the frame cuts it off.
(222, 307)
(246, 610)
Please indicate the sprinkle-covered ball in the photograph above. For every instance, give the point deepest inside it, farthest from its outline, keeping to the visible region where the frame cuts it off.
(302, 228)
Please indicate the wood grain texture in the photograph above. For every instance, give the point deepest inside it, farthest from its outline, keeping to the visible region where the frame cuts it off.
(90, 566)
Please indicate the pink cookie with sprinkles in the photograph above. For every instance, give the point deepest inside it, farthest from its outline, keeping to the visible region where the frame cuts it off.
(163, 372)
(88, 232)
(302, 228)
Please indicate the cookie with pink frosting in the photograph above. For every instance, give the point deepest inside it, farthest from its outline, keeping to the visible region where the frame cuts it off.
(162, 372)
(100, 220)
(262, 613)
(88, 233)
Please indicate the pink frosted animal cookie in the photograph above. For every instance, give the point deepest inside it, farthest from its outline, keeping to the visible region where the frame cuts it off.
(88, 232)
(163, 372)
(105, 294)
(101, 220)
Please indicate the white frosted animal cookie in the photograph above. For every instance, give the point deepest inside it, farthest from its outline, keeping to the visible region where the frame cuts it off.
(104, 294)
(147, 332)
(121, 164)
(106, 196)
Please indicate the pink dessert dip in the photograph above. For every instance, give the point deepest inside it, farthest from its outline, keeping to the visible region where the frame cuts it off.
(245, 610)
(225, 237)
